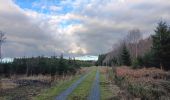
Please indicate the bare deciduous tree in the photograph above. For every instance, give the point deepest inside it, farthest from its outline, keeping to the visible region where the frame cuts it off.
(133, 38)
(2, 39)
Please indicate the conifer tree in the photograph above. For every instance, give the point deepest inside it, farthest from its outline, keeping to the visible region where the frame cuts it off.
(125, 56)
(161, 45)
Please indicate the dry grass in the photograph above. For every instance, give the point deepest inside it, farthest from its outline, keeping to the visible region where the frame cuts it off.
(43, 78)
(19, 87)
(7, 84)
(24, 88)
(147, 83)
(103, 70)
(142, 75)
(109, 91)
(85, 70)
(10, 83)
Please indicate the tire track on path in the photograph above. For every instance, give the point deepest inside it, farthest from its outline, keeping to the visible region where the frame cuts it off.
(95, 91)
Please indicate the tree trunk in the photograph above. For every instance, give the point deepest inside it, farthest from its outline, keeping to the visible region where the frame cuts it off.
(161, 66)
(0, 84)
(136, 51)
(0, 53)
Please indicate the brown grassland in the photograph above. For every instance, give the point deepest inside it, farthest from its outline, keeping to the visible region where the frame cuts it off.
(145, 83)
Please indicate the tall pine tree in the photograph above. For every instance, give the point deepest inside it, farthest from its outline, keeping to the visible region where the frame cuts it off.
(161, 45)
(101, 59)
(125, 56)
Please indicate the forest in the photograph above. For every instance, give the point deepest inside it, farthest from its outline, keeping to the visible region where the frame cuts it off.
(42, 65)
(139, 52)
(140, 66)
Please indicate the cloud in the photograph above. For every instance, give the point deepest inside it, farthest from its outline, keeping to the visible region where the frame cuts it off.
(28, 32)
(108, 21)
(55, 8)
(79, 27)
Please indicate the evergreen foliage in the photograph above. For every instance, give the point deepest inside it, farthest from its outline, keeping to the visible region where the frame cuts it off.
(42, 65)
(100, 59)
(125, 56)
(158, 56)
(161, 45)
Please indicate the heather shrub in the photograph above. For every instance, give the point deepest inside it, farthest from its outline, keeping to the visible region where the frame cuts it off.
(146, 83)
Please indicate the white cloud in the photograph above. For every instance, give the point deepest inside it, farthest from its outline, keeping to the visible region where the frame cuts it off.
(55, 8)
(98, 25)
(75, 49)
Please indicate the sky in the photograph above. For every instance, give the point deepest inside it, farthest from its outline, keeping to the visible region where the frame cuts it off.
(75, 27)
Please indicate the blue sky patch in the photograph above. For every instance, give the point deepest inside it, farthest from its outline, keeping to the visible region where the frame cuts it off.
(43, 6)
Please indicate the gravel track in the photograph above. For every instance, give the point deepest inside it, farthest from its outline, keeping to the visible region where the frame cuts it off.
(64, 94)
(95, 91)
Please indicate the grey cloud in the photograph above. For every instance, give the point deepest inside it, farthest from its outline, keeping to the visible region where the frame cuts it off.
(25, 37)
(103, 23)
(99, 38)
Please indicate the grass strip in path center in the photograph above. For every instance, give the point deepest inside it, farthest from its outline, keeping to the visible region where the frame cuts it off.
(83, 90)
(64, 94)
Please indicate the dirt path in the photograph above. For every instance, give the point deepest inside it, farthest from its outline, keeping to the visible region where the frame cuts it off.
(95, 91)
(64, 94)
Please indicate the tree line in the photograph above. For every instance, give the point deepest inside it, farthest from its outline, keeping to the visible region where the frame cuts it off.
(42, 65)
(137, 52)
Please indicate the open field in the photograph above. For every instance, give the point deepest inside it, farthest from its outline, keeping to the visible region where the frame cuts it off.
(118, 83)
(22, 89)
(36, 87)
